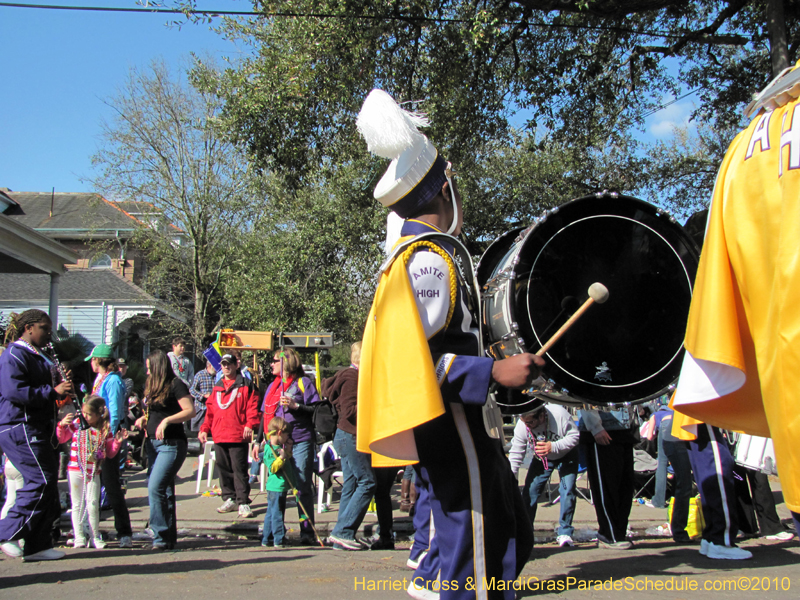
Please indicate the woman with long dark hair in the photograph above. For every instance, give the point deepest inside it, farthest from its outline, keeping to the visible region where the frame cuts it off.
(28, 395)
(169, 405)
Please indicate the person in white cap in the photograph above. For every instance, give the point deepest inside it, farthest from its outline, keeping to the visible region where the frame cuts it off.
(423, 381)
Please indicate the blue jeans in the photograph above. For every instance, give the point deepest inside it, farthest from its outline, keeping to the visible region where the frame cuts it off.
(660, 495)
(164, 459)
(303, 463)
(538, 477)
(274, 530)
(358, 487)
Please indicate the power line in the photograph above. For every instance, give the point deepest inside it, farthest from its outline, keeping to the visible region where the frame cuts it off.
(671, 102)
(218, 13)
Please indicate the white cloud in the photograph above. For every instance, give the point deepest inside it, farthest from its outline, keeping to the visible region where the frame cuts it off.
(663, 123)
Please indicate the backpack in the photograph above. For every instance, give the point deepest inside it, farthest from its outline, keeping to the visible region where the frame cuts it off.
(325, 418)
(325, 415)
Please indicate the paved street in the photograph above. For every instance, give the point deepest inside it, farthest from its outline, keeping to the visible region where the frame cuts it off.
(220, 556)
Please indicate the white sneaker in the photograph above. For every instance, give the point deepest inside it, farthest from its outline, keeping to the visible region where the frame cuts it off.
(421, 593)
(728, 552)
(49, 554)
(245, 511)
(413, 561)
(79, 544)
(98, 543)
(12, 549)
(228, 506)
(565, 540)
(125, 542)
(783, 536)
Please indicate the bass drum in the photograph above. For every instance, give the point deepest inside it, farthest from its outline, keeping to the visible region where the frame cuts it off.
(627, 350)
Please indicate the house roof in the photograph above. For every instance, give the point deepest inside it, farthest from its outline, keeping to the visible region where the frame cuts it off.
(76, 211)
(74, 285)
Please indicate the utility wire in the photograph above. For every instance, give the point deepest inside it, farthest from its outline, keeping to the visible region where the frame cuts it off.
(414, 19)
(671, 102)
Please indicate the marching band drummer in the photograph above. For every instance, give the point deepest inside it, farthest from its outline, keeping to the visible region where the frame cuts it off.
(422, 384)
(28, 394)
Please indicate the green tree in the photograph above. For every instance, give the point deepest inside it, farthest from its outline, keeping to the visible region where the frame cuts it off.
(164, 147)
(580, 73)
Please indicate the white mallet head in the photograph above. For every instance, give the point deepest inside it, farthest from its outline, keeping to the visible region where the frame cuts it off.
(598, 292)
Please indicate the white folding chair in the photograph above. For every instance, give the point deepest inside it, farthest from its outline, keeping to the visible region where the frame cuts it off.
(325, 451)
(209, 457)
(262, 472)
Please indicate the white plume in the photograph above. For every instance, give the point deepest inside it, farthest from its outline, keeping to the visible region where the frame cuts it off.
(387, 128)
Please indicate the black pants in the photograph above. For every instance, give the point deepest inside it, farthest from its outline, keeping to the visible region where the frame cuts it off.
(110, 475)
(610, 471)
(384, 480)
(755, 502)
(234, 480)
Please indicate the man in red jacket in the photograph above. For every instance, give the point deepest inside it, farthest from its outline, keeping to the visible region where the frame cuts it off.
(232, 413)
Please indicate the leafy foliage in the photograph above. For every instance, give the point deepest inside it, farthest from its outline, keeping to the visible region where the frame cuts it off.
(164, 148)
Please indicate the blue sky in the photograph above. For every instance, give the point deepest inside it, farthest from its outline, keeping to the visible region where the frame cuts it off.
(58, 66)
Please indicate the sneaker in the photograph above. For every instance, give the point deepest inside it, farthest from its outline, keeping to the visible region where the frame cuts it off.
(125, 542)
(12, 549)
(98, 543)
(80, 544)
(564, 540)
(604, 542)
(245, 511)
(728, 552)
(704, 547)
(228, 506)
(382, 544)
(144, 536)
(783, 536)
(421, 592)
(49, 554)
(414, 560)
(344, 544)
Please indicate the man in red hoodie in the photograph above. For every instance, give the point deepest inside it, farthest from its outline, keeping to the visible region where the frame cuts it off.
(232, 413)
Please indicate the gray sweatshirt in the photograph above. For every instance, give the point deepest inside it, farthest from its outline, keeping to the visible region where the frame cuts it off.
(562, 433)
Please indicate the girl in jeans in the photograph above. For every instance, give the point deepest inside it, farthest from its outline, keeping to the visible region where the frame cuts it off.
(169, 405)
(277, 458)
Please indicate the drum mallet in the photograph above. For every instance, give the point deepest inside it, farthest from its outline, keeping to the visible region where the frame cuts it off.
(597, 293)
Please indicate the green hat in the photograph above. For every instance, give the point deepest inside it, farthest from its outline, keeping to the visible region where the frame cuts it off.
(101, 351)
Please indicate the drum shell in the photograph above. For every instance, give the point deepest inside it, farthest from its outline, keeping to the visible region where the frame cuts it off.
(755, 453)
(628, 350)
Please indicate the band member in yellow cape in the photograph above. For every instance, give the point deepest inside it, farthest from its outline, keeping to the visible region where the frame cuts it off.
(742, 367)
(423, 383)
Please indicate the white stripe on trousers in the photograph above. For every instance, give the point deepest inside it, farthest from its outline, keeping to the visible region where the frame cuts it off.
(720, 482)
(476, 498)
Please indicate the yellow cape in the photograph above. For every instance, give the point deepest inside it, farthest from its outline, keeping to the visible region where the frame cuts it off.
(397, 385)
(744, 325)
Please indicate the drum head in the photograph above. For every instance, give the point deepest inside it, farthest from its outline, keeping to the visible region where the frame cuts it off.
(630, 347)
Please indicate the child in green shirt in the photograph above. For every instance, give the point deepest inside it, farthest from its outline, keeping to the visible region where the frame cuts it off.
(277, 454)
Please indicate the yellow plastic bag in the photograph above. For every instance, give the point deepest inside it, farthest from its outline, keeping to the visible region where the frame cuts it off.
(695, 524)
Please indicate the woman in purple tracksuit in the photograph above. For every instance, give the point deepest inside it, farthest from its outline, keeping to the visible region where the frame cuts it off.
(28, 395)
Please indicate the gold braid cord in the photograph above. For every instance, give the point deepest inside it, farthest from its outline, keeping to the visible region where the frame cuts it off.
(448, 259)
